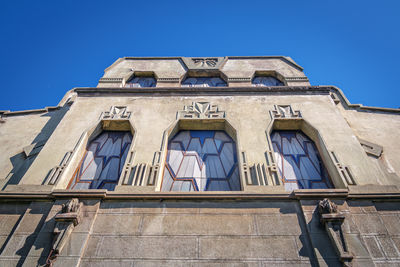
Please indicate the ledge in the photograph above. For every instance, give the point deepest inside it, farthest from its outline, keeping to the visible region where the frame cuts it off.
(111, 195)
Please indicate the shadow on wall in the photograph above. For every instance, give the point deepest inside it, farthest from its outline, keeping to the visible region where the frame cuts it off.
(22, 161)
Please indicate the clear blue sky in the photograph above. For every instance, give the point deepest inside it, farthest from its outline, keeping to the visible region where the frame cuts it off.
(49, 47)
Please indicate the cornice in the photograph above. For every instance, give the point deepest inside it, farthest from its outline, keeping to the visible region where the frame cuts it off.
(113, 195)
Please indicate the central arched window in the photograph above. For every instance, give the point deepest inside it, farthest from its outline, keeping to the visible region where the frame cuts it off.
(102, 163)
(298, 161)
(201, 161)
(203, 82)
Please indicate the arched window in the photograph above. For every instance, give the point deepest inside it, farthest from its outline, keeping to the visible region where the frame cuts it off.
(102, 163)
(203, 82)
(266, 81)
(141, 82)
(201, 161)
(298, 161)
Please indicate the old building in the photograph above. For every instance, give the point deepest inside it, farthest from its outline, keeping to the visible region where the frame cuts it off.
(234, 161)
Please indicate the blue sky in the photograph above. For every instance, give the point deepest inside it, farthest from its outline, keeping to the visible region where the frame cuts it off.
(49, 47)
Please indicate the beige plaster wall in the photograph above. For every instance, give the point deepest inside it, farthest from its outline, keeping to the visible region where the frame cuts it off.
(16, 133)
(249, 115)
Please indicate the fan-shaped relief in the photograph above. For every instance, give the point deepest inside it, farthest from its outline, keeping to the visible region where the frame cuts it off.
(266, 81)
(204, 82)
(299, 163)
(201, 160)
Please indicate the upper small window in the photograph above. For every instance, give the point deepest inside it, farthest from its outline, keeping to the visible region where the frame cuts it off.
(266, 81)
(141, 82)
(203, 82)
(298, 161)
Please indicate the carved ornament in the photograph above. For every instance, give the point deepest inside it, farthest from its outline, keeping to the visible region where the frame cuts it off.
(116, 113)
(285, 111)
(201, 110)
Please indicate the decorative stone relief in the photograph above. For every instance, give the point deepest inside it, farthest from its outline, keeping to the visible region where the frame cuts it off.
(260, 173)
(141, 174)
(285, 111)
(344, 171)
(201, 110)
(197, 63)
(116, 113)
(333, 220)
(66, 220)
(371, 148)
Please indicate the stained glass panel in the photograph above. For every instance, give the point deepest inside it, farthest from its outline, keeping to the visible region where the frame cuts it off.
(201, 161)
(203, 82)
(102, 162)
(298, 161)
(266, 81)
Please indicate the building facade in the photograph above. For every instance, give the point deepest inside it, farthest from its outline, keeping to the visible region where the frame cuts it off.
(232, 161)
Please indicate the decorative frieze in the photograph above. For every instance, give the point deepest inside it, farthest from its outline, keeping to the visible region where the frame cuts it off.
(333, 220)
(208, 63)
(285, 112)
(344, 171)
(116, 113)
(111, 80)
(141, 174)
(201, 110)
(66, 220)
(259, 173)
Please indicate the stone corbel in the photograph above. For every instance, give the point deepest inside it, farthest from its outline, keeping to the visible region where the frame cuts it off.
(333, 221)
(66, 220)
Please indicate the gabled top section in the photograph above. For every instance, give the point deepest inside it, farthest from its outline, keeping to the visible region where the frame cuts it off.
(235, 71)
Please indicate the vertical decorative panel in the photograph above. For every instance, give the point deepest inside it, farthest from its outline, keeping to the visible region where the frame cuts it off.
(102, 163)
(298, 161)
(201, 161)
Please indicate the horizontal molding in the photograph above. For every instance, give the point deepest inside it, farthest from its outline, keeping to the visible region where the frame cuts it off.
(110, 80)
(296, 79)
(115, 195)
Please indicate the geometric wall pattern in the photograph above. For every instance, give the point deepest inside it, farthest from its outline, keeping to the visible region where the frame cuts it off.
(102, 162)
(298, 161)
(201, 161)
(203, 82)
(266, 81)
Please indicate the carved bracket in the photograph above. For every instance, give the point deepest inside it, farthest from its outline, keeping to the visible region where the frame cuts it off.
(201, 110)
(333, 221)
(344, 171)
(284, 111)
(66, 220)
(116, 113)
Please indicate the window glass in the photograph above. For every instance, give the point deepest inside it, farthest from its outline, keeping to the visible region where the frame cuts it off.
(298, 161)
(102, 162)
(203, 82)
(141, 82)
(201, 161)
(266, 81)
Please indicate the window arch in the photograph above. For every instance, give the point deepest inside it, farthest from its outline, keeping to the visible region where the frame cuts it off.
(266, 81)
(102, 162)
(298, 161)
(201, 160)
